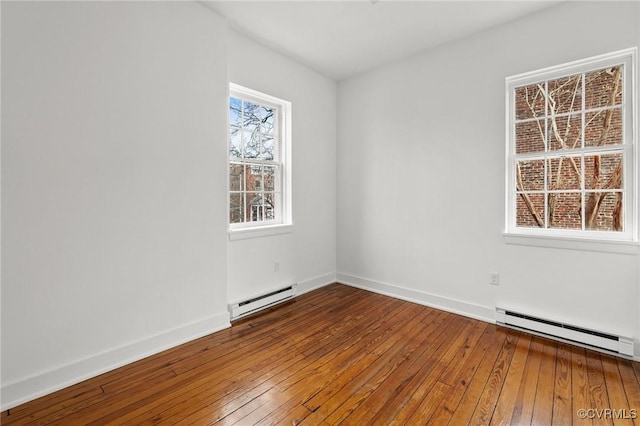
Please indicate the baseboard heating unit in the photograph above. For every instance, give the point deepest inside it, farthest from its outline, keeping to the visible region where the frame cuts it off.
(255, 304)
(597, 340)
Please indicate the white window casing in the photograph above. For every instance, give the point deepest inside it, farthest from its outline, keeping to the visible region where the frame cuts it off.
(547, 156)
(257, 208)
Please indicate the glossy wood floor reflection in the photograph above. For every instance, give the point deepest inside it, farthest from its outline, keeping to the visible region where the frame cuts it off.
(339, 355)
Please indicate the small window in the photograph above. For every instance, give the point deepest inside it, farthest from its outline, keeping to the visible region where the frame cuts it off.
(570, 148)
(259, 165)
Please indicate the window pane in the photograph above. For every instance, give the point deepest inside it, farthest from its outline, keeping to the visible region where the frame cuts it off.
(256, 183)
(603, 127)
(530, 210)
(236, 177)
(565, 132)
(530, 137)
(235, 142)
(565, 94)
(251, 141)
(236, 208)
(603, 171)
(529, 101)
(254, 178)
(564, 173)
(565, 210)
(604, 211)
(261, 206)
(254, 206)
(266, 150)
(235, 112)
(269, 206)
(251, 112)
(269, 178)
(603, 87)
(530, 175)
(267, 121)
(266, 133)
(235, 127)
(251, 129)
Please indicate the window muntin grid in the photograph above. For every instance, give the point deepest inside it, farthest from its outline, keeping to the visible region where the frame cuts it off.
(257, 160)
(571, 165)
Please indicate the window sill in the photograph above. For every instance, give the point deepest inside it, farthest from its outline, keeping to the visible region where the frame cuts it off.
(602, 246)
(259, 231)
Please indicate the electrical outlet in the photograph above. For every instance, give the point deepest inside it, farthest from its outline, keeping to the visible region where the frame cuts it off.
(494, 278)
(276, 266)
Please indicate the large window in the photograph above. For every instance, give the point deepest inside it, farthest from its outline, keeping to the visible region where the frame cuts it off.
(571, 160)
(259, 169)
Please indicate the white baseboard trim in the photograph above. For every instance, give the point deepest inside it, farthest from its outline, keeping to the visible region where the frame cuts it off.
(482, 313)
(22, 391)
(316, 283)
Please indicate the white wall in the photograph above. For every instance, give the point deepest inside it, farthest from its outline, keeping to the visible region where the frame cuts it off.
(113, 186)
(421, 177)
(114, 240)
(307, 255)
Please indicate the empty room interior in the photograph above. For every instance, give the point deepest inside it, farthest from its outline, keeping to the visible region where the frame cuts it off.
(341, 212)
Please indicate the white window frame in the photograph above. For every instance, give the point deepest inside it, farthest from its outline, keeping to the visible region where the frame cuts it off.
(283, 222)
(580, 239)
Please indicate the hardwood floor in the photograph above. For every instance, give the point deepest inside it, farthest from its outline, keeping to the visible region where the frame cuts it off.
(343, 355)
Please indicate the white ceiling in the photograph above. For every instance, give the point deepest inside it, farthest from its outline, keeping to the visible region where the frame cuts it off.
(343, 38)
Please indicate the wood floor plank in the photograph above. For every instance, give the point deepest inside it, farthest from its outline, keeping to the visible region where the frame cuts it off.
(489, 397)
(525, 399)
(458, 386)
(579, 386)
(427, 407)
(422, 375)
(275, 378)
(543, 406)
(326, 348)
(339, 391)
(311, 382)
(636, 368)
(220, 409)
(384, 358)
(598, 397)
(562, 397)
(506, 404)
(243, 413)
(452, 372)
(368, 347)
(619, 405)
(469, 401)
(286, 407)
(631, 386)
(344, 355)
(422, 366)
(421, 395)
